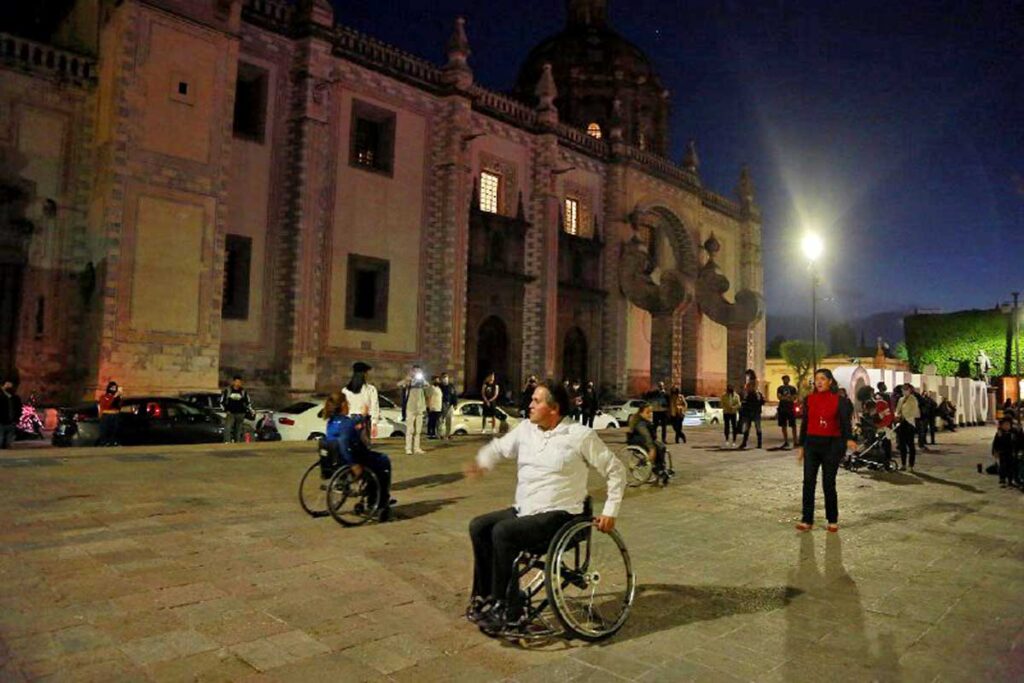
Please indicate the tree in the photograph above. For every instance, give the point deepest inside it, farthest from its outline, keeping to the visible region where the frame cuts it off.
(843, 339)
(773, 346)
(900, 351)
(799, 355)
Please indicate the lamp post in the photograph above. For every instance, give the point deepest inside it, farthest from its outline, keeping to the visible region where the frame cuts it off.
(812, 247)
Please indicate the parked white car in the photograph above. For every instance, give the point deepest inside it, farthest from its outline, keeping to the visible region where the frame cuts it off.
(702, 410)
(299, 421)
(620, 411)
(468, 418)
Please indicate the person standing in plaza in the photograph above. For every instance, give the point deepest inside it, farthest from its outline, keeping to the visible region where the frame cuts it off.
(490, 392)
(750, 412)
(589, 404)
(414, 404)
(237, 406)
(786, 394)
(825, 434)
(676, 412)
(361, 396)
(908, 413)
(10, 413)
(730, 415)
(659, 400)
(110, 414)
(435, 398)
(527, 396)
(1004, 449)
(449, 397)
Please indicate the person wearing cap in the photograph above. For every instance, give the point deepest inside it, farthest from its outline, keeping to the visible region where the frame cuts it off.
(362, 396)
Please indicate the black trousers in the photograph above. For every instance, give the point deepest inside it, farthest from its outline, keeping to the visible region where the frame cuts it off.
(677, 427)
(905, 435)
(501, 535)
(825, 453)
(108, 429)
(661, 420)
(1007, 468)
(729, 419)
(747, 421)
(378, 463)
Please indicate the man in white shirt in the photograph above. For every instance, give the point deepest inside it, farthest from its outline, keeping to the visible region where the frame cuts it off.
(553, 455)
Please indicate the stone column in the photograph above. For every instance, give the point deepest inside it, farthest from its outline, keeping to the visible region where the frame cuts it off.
(613, 319)
(662, 347)
(305, 234)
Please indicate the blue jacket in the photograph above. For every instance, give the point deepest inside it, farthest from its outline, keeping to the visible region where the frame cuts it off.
(347, 432)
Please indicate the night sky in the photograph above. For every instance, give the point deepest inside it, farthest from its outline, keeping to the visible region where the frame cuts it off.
(895, 128)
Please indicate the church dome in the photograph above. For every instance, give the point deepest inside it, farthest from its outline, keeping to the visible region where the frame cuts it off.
(593, 66)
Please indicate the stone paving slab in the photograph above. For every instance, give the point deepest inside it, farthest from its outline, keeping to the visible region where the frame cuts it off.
(196, 563)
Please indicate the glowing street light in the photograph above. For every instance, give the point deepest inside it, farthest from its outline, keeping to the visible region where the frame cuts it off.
(812, 247)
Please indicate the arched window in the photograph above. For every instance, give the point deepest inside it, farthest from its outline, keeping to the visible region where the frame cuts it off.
(594, 130)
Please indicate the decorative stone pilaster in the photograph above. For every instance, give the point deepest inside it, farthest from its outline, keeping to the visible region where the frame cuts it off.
(310, 203)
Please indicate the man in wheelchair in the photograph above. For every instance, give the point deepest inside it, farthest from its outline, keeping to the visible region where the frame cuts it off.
(347, 443)
(641, 432)
(553, 454)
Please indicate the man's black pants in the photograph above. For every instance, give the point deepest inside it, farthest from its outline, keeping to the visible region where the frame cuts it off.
(825, 453)
(729, 419)
(661, 420)
(498, 537)
(905, 435)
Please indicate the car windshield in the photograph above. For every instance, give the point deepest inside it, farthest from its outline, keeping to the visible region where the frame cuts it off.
(299, 407)
(716, 404)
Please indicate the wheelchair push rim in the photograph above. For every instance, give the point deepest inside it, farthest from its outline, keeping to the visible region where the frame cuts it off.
(590, 581)
(352, 500)
(313, 492)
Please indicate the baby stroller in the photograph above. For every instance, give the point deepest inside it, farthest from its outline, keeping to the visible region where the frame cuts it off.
(874, 437)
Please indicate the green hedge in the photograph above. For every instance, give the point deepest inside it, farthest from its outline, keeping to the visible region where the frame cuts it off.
(951, 341)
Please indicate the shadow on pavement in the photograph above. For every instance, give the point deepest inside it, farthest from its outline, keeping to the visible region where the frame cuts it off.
(894, 478)
(946, 482)
(428, 481)
(421, 508)
(662, 606)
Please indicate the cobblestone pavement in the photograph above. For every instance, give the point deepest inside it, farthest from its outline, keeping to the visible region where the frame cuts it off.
(196, 563)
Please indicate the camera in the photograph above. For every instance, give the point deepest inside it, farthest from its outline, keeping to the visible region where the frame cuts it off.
(418, 375)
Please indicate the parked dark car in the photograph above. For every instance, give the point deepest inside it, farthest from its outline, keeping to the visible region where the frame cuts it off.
(144, 420)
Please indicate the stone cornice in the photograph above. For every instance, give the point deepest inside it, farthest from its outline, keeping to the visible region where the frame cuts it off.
(47, 61)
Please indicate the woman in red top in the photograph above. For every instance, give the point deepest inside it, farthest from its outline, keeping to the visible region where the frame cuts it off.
(825, 434)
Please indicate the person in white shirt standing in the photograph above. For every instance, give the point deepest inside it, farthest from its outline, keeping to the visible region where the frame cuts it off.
(362, 396)
(553, 454)
(414, 404)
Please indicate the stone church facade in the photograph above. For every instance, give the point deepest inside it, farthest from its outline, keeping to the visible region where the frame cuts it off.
(198, 188)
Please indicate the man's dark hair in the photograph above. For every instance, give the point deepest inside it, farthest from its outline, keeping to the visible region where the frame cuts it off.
(236, 377)
(882, 387)
(785, 378)
(557, 396)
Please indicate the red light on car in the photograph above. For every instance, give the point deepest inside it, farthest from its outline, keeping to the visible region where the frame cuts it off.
(286, 421)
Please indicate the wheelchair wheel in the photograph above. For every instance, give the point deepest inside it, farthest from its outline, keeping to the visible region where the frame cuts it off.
(590, 581)
(640, 469)
(352, 500)
(313, 492)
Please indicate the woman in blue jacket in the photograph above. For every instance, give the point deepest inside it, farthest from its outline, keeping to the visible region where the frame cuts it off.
(348, 443)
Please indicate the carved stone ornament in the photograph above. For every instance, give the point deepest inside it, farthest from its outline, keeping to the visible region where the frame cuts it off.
(654, 289)
(711, 288)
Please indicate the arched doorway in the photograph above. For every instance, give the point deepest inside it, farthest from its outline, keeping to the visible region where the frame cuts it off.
(574, 355)
(491, 351)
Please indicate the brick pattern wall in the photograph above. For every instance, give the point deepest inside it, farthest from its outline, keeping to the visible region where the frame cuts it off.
(544, 219)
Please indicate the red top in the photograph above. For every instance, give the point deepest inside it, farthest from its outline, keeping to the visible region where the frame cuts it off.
(823, 414)
(883, 412)
(110, 403)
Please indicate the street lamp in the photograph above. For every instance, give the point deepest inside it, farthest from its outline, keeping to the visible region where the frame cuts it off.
(812, 247)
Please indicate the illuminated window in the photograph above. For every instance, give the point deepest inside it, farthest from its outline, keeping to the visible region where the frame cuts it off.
(572, 216)
(490, 186)
(594, 131)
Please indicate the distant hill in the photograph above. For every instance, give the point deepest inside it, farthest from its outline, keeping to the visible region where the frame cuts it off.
(887, 325)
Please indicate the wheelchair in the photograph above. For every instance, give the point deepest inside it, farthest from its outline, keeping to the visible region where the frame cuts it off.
(584, 578)
(641, 470)
(350, 499)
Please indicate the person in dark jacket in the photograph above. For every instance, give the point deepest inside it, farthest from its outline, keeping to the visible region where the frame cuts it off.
(751, 404)
(589, 404)
(527, 396)
(825, 434)
(642, 432)
(10, 413)
(1004, 447)
(237, 406)
(109, 406)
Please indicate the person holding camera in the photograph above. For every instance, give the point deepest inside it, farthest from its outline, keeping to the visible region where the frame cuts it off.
(110, 414)
(414, 404)
(237, 406)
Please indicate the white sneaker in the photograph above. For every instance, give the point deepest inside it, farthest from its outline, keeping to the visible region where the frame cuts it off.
(419, 451)
(408, 452)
